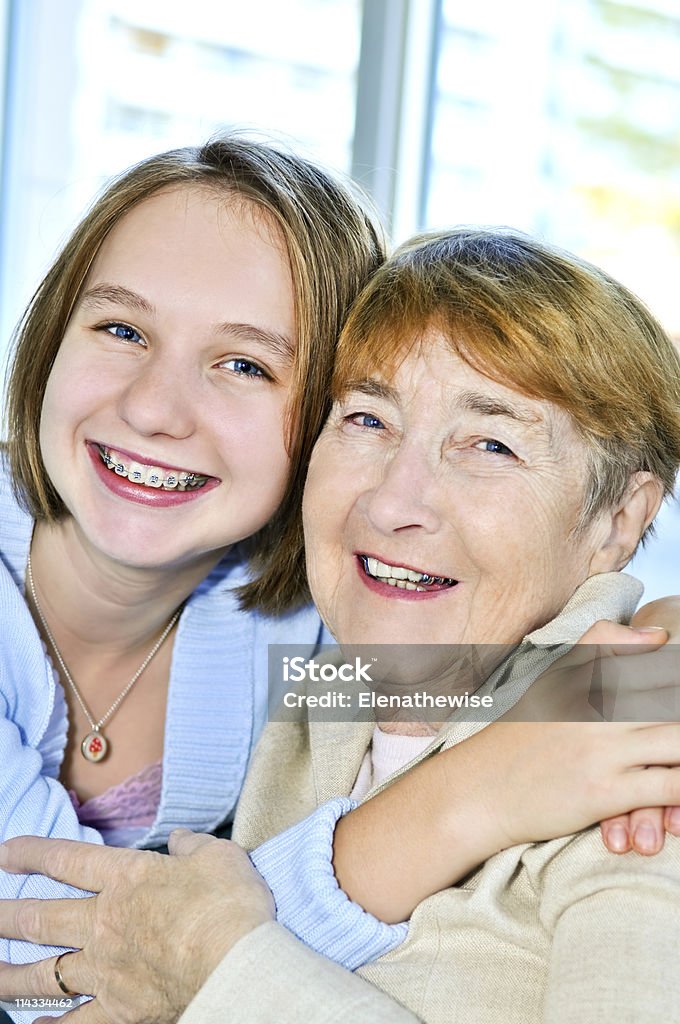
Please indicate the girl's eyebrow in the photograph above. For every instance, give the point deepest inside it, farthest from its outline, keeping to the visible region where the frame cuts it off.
(279, 344)
(100, 294)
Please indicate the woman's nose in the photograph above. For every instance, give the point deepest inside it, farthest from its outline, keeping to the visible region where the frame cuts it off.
(406, 495)
(159, 400)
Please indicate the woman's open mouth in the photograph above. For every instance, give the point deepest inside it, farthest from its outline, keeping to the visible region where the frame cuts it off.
(404, 578)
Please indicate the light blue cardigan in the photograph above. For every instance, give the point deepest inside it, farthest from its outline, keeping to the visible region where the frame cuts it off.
(217, 707)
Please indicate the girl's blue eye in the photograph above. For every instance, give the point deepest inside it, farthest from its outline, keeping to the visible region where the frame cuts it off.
(124, 332)
(495, 447)
(244, 367)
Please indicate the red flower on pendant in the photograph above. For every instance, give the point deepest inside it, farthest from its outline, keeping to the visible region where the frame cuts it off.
(94, 747)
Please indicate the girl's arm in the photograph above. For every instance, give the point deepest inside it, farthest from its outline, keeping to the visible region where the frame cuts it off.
(511, 783)
(444, 818)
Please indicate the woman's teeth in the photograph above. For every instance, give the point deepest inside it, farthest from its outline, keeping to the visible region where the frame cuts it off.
(150, 476)
(404, 579)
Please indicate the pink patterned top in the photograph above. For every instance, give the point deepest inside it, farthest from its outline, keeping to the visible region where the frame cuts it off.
(131, 804)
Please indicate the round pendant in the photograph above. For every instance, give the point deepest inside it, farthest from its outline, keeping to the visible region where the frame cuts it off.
(95, 746)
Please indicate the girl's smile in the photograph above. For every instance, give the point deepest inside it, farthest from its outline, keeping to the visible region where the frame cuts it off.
(168, 395)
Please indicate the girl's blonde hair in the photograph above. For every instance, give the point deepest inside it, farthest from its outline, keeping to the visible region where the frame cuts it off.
(334, 243)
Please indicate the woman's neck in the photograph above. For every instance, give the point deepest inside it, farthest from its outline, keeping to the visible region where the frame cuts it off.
(399, 728)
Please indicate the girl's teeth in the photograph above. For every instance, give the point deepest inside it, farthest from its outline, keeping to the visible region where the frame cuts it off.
(150, 476)
(136, 473)
(154, 477)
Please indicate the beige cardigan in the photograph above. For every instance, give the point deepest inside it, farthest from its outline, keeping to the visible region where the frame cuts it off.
(548, 933)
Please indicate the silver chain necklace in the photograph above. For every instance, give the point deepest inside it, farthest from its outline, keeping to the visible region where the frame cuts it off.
(95, 745)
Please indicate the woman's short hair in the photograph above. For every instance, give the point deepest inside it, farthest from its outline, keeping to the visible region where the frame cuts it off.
(538, 320)
(334, 243)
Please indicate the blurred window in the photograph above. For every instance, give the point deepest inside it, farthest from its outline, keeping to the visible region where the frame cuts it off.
(562, 117)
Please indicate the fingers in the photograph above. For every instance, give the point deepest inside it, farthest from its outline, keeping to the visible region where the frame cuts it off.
(47, 922)
(651, 744)
(646, 830)
(38, 979)
(81, 864)
(616, 833)
(641, 830)
(620, 638)
(59, 977)
(182, 842)
(664, 612)
(653, 787)
(672, 820)
(86, 1013)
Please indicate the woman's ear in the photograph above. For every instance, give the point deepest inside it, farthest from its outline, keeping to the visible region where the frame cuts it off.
(624, 525)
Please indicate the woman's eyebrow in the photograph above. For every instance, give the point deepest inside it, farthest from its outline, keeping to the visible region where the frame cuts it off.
(101, 294)
(486, 405)
(280, 344)
(372, 388)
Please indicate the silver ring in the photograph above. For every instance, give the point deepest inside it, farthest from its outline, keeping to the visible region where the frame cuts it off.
(60, 979)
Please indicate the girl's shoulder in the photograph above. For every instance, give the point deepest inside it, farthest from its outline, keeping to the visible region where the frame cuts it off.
(16, 527)
(27, 686)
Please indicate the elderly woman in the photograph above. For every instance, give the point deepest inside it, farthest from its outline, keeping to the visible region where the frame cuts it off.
(506, 422)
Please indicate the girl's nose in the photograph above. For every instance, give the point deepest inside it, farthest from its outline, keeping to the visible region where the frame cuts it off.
(159, 400)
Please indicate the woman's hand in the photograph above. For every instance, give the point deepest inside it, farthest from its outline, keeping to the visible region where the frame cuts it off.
(151, 935)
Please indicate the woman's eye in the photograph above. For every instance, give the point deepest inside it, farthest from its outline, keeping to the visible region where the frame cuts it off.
(124, 332)
(243, 367)
(495, 447)
(366, 420)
